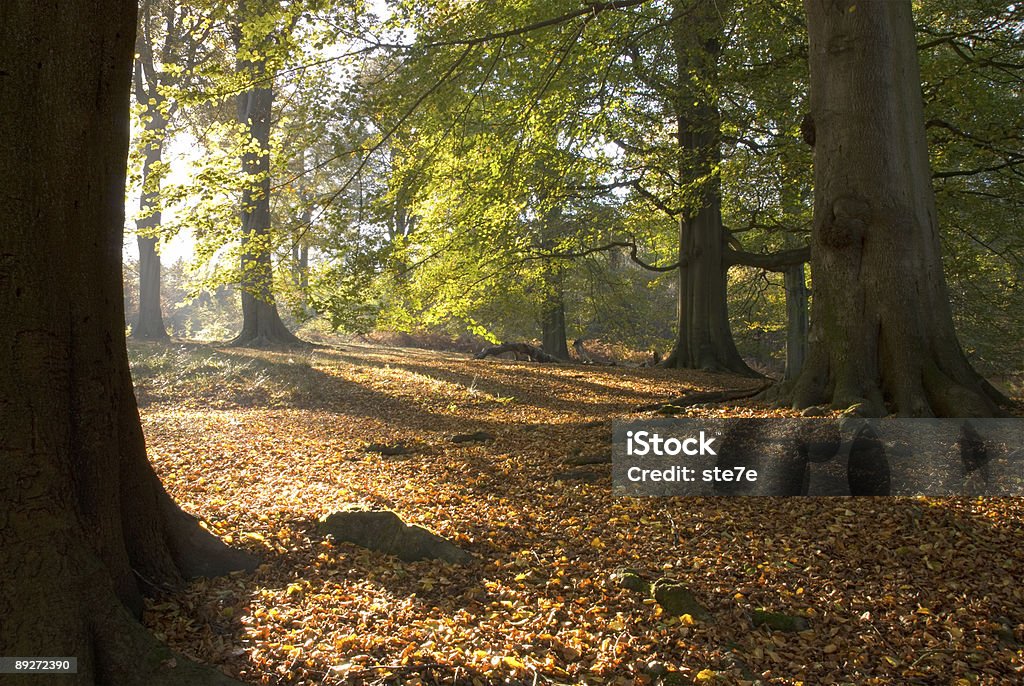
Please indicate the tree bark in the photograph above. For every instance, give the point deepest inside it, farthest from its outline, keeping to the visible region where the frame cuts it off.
(553, 339)
(704, 336)
(882, 336)
(261, 323)
(85, 526)
(796, 320)
(150, 322)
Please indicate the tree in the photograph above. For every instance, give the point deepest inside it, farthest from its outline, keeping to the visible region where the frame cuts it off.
(882, 332)
(656, 82)
(168, 46)
(256, 35)
(703, 335)
(147, 81)
(85, 525)
(972, 53)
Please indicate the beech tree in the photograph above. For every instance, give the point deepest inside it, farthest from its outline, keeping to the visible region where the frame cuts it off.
(147, 81)
(171, 51)
(256, 35)
(882, 333)
(85, 526)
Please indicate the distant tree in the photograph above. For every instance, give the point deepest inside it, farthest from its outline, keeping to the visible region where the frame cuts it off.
(261, 34)
(85, 525)
(171, 47)
(882, 333)
(155, 112)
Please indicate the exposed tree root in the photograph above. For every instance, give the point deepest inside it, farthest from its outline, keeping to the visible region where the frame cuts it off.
(731, 365)
(127, 654)
(921, 390)
(262, 327)
(584, 460)
(268, 342)
(704, 397)
(159, 335)
(78, 614)
(196, 551)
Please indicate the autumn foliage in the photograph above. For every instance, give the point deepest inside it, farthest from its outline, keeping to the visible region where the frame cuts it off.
(259, 445)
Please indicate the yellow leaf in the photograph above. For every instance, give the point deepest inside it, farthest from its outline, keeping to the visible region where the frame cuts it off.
(514, 663)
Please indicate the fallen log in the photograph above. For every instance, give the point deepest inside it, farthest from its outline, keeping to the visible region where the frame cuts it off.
(581, 352)
(587, 358)
(532, 352)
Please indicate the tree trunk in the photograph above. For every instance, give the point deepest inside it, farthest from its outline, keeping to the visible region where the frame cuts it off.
(150, 322)
(553, 319)
(704, 337)
(261, 323)
(882, 335)
(300, 260)
(85, 526)
(796, 320)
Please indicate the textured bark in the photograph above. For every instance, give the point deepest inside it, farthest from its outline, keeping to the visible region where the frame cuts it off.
(150, 322)
(796, 320)
(704, 337)
(882, 335)
(85, 526)
(553, 339)
(261, 323)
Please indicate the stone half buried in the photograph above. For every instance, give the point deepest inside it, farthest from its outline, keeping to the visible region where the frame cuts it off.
(384, 531)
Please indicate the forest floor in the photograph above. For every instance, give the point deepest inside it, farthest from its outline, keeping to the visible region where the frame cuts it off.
(260, 445)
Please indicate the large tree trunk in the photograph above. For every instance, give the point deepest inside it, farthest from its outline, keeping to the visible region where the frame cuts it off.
(704, 337)
(85, 526)
(882, 335)
(261, 323)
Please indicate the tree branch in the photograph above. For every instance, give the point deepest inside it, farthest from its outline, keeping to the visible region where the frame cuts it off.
(773, 262)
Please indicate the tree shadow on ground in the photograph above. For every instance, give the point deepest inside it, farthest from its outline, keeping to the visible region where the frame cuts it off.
(884, 575)
(906, 569)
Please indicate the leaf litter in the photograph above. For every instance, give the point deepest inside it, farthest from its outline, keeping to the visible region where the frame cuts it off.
(898, 590)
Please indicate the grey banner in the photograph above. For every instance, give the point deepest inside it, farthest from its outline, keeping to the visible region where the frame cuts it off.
(817, 456)
(38, 665)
